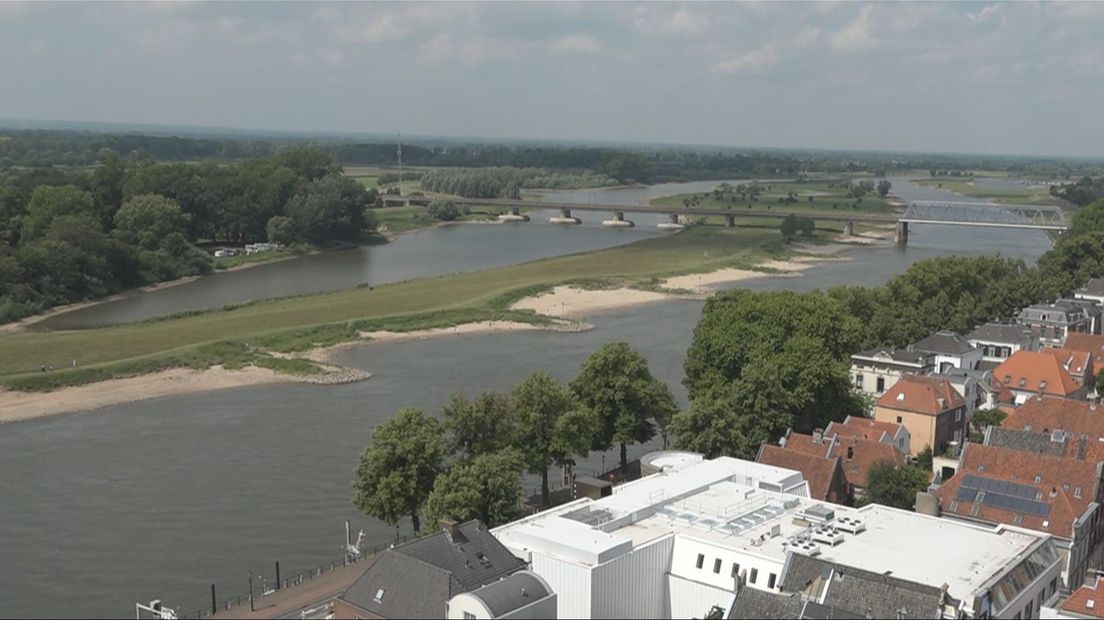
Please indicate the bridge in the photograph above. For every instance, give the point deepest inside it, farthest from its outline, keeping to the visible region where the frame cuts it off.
(1033, 217)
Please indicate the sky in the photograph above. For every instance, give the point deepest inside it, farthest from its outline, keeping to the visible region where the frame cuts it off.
(1009, 78)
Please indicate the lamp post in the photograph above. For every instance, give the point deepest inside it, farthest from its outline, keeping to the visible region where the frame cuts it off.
(251, 608)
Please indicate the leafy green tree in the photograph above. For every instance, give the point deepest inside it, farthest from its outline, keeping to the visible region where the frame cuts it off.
(444, 210)
(488, 488)
(308, 163)
(331, 208)
(147, 220)
(883, 187)
(626, 401)
(554, 426)
(890, 485)
(984, 418)
(789, 227)
(481, 426)
(924, 459)
(48, 202)
(808, 226)
(280, 229)
(398, 468)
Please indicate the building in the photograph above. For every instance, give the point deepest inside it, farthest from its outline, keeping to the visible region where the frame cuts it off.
(930, 408)
(977, 388)
(998, 341)
(877, 370)
(419, 578)
(823, 472)
(1040, 490)
(693, 542)
(855, 454)
(1051, 323)
(1092, 344)
(1043, 415)
(874, 430)
(1086, 601)
(521, 595)
(1092, 291)
(949, 350)
(1046, 373)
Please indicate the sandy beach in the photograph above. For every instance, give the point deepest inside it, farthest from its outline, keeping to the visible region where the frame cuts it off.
(574, 303)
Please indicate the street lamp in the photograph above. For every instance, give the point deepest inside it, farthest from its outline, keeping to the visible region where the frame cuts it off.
(251, 608)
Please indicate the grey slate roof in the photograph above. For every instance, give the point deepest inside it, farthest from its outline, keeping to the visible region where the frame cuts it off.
(1093, 287)
(816, 611)
(1024, 441)
(943, 342)
(861, 593)
(419, 577)
(512, 593)
(1000, 332)
(755, 603)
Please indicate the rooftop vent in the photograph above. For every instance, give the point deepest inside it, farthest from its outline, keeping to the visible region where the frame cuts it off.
(850, 525)
(1057, 435)
(900, 396)
(1023, 381)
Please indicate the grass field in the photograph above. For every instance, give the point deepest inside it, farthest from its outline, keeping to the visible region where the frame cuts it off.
(199, 339)
(812, 197)
(1021, 195)
(405, 219)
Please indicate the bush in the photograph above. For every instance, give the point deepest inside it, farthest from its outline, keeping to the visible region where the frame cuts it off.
(444, 210)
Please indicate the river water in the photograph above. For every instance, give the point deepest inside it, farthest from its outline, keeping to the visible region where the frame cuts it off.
(159, 499)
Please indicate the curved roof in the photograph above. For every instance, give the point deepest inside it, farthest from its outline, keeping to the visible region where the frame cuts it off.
(512, 593)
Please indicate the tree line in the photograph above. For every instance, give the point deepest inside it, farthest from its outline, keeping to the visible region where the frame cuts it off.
(468, 464)
(71, 235)
(506, 181)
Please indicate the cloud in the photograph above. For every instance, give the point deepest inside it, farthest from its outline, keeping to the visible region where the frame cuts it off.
(751, 62)
(984, 15)
(680, 22)
(576, 43)
(857, 35)
(807, 37)
(445, 49)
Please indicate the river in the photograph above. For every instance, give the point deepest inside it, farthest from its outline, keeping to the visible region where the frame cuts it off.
(159, 499)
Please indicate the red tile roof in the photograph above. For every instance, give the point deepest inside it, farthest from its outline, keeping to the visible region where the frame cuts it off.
(863, 428)
(1089, 343)
(1088, 600)
(1043, 415)
(1059, 478)
(1036, 371)
(927, 395)
(817, 470)
(864, 453)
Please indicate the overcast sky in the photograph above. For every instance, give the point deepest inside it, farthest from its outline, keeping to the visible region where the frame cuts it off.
(1023, 78)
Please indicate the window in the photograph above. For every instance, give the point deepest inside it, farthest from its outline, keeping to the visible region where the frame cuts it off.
(701, 560)
(771, 579)
(898, 419)
(958, 416)
(717, 566)
(735, 569)
(1017, 520)
(469, 615)
(859, 381)
(754, 575)
(881, 384)
(1077, 492)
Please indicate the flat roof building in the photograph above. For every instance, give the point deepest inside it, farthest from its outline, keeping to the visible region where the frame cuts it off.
(683, 543)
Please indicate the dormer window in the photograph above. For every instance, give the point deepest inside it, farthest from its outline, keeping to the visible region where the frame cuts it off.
(1077, 492)
(379, 596)
(1023, 381)
(981, 469)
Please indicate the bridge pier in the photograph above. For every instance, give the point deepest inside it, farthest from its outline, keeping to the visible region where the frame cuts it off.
(849, 229)
(730, 221)
(565, 218)
(618, 221)
(902, 234)
(513, 216)
(673, 224)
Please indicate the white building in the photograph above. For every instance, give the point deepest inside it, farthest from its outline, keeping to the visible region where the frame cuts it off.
(878, 370)
(948, 350)
(999, 341)
(680, 543)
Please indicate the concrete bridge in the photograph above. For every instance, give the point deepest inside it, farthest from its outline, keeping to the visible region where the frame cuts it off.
(920, 212)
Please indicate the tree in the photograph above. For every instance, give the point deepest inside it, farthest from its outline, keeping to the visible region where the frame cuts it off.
(487, 488)
(48, 202)
(808, 226)
(554, 427)
(398, 468)
(890, 485)
(883, 187)
(789, 227)
(625, 400)
(444, 210)
(481, 426)
(149, 219)
(924, 459)
(280, 229)
(332, 208)
(984, 418)
(308, 163)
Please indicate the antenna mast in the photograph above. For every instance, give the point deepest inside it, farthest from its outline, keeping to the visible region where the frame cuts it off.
(400, 162)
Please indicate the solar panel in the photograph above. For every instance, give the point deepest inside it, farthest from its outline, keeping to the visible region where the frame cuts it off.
(1002, 494)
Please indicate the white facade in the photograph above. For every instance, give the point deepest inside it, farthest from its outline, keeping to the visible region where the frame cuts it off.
(673, 545)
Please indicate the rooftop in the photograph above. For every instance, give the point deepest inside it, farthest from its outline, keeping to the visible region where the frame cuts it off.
(1088, 343)
(943, 342)
(864, 428)
(856, 454)
(1000, 332)
(1088, 600)
(900, 356)
(818, 470)
(723, 506)
(926, 395)
(1093, 287)
(1036, 371)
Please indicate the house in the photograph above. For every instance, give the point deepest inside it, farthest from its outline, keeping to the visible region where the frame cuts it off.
(1081, 422)
(1086, 601)
(1051, 323)
(1079, 364)
(948, 350)
(690, 542)
(521, 595)
(1042, 491)
(419, 578)
(855, 454)
(876, 371)
(966, 384)
(930, 408)
(998, 341)
(874, 430)
(823, 472)
(1046, 373)
(1092, 291)
(1088, 343)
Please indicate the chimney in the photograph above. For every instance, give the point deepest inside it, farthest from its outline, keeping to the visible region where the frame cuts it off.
(450, 528)
(818, 435)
